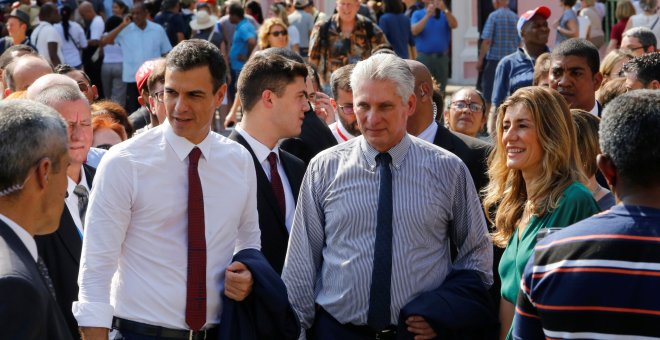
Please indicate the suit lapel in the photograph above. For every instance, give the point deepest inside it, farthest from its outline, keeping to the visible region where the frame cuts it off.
(292, 173)
(68, 234)
(443, 139)
(263, 184)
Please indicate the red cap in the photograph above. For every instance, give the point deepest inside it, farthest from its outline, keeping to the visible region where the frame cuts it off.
(527, 16)
(144, 72)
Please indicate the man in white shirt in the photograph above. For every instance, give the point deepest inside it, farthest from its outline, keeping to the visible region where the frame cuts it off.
(303, 21)
(274, 98)
(45, 38)
(33, 163)
(162, 201)
(61, 250)
(345, 127)
(94, 27)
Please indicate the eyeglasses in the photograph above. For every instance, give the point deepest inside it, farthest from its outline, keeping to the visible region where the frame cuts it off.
(278, 33)
(461, 105)
(83, 87)
(633, 49)
(346, 109)
(159, 96)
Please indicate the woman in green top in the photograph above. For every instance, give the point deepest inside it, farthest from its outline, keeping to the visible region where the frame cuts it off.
(535, 182)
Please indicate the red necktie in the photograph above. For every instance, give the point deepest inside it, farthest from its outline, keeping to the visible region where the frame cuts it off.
(276, 183)
(196, 287)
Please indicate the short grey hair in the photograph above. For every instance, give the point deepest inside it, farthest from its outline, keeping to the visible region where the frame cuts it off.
(29, 132)
(59, 93)
(645, 36)
(385, 67)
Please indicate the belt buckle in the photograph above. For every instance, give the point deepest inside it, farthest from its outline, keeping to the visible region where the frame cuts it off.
(192, 335)
(385, 334)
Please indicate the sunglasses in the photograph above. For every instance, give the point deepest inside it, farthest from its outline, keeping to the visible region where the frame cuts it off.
(83, 87)
(278, 33)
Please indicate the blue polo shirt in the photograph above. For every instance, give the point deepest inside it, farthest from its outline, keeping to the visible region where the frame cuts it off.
(138, 46)
(513, 72)
(239, 46)
(435, 36)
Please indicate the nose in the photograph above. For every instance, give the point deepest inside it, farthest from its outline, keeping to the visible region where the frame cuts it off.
(508, 135)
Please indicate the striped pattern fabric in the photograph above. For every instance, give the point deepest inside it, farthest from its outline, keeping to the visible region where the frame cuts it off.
(597, 279)
(500, 28)
(331, 246)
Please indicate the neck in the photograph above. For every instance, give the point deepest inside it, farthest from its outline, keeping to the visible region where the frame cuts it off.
(73, 172)
(142, 26)
(20, 212)
(640, 196)
(418, 122)
(347, 23)
(18, 38)
(258, 130)
(534, 50)
(531, 184)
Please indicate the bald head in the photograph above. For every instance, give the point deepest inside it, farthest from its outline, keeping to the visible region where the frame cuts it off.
(23, 71)
(423, 115)
(86, 10)
(48, 81)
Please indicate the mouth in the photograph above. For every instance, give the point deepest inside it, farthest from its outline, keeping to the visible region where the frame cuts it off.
(180, 120)
(511, 151)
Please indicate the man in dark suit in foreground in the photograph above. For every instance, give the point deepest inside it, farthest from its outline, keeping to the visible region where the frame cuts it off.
(61, 250)
(272, 90)
(33, 163)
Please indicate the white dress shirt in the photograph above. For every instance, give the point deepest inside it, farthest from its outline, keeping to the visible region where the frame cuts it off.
(594, 110)
(71, 200)
(340, 132)
(429, 133)
(261, 152)
(138, 225)
(23, 235)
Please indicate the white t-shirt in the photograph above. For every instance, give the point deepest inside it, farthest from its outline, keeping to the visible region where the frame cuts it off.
(42, 35)
(71, 48)
(96, 28)
(294, 36)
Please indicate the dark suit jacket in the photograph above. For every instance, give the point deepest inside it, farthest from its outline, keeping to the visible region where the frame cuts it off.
(472, 151)
(61, 252)
(274, 235)
(315, 137)
(266, 313)
(27, 310)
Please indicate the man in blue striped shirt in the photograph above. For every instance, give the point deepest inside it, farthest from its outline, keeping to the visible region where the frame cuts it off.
(598, 279)
(329, 268)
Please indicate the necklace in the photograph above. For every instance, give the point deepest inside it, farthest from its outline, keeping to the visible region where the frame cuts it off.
(594, 192)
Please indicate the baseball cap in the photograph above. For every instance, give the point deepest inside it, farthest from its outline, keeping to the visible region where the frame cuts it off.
(20, 15)
(144, 72)
(527, 16)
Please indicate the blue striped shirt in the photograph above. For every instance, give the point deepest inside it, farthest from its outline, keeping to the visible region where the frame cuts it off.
(597, 279)
(331, 246)
(501, 29)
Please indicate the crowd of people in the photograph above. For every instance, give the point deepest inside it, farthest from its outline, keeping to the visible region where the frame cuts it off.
(347, 200)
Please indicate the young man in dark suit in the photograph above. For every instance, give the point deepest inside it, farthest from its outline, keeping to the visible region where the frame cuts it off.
(33, 163)
(273, 93)
(61, 250)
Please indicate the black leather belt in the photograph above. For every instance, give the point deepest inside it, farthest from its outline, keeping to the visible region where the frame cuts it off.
(157, 331)
(388, 333)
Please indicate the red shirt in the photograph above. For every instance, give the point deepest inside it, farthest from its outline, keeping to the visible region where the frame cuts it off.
(617, 31)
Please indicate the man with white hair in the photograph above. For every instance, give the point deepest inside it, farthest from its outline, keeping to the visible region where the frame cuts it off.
(373, 224)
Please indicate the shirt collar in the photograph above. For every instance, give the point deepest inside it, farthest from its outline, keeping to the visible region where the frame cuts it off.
(632, 210)
(182, 146)
(429, 133)
(72, 185)
(343, 130)
(260, 151)
(23, 235)
(398, 152)
(594, 110)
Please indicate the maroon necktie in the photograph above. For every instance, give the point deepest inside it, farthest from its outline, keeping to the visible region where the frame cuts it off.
(196, 288)
(276, 183)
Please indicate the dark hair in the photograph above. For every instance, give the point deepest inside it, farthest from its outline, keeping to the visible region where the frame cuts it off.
(167, 5)
(193, 53)
(646, 67)
(569, 3)
(255, 10)
(64, 69)
(122, 5)
(47, 10)
(65, 12)
(629, 136)
(579, 48)
(150, 6)
(267, 72)
(393, 6)
(340, 79)
(314, 73)
(112, 23)
(282, 52)
(645, 36)
(156, 76)
(235, 8)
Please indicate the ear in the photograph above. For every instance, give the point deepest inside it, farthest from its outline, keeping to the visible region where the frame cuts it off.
(608, 169)
(598, 79)
(44, 167)
(220, 95)
(141, 100)
(96, 92)
(411, 104)
(267, 98)
(445, 114)
(425, 92)
(7, 92)
(654, 85)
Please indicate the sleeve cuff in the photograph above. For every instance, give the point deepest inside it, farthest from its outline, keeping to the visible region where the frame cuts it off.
(93, 314)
